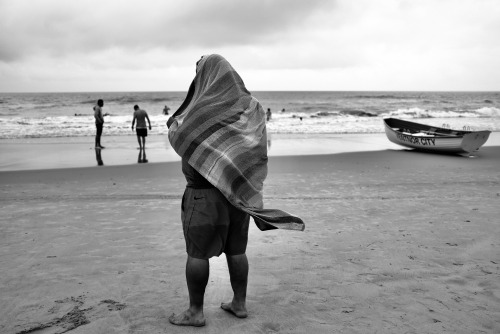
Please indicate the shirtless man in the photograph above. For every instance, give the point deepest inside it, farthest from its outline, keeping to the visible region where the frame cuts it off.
(141, 130)
(99, 122)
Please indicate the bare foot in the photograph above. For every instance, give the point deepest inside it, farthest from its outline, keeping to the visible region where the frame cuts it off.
(187, 319)
(238, 312)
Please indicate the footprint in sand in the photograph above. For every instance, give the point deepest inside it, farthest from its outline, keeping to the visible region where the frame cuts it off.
(72, 315)
(270, 327)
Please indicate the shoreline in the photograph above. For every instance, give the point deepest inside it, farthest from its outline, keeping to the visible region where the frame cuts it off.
(74, 152)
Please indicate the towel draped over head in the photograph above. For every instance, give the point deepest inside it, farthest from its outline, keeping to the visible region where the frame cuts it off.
(220, 129)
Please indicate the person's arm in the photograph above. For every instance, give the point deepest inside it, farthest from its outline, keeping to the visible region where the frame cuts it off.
(184, 104)
(133, 122)
(147, 117)
(99, 115)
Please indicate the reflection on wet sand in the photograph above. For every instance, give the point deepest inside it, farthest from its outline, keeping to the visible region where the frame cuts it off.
(98, 157)
(140, 159)
(142, 156)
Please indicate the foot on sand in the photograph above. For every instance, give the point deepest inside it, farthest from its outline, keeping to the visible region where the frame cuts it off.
(187, 319)
(238, 312)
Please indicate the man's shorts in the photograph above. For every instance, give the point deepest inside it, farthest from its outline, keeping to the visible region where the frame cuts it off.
(141, 132)
(98, 129)
(212, 225)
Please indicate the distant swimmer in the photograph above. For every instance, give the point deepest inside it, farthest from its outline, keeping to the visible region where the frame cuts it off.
(268, 114)
(165, 110)
(283, 110)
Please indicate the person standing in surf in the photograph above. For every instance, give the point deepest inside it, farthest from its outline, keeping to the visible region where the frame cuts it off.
(99, 122)
(141, 129)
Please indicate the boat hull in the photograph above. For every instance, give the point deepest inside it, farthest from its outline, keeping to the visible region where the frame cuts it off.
(441, 140)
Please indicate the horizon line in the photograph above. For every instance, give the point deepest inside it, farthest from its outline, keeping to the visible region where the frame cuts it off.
(272, 90)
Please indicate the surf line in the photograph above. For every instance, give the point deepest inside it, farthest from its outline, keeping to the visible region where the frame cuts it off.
(417, 140)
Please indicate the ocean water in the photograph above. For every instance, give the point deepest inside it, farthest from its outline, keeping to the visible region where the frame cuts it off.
(49, 115)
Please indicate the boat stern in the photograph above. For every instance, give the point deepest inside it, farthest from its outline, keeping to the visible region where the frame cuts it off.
(473, 141)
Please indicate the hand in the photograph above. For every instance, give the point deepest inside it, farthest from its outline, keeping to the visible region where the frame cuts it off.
(150, 127)
(132, 128)
(170, 121)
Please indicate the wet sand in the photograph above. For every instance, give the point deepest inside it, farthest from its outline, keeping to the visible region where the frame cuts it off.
(49, 153)
(396, 241)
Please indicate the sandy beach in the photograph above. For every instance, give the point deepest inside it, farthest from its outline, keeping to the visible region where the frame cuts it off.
(396, 241)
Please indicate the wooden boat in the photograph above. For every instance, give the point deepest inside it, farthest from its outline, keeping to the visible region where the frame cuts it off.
(429, 138)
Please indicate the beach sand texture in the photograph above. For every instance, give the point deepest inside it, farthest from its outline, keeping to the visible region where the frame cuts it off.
(395, 242)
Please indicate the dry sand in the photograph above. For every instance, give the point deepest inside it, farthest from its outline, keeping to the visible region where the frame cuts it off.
(395, 242)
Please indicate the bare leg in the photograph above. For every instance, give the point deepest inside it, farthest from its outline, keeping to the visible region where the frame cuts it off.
(144, 142)
(238, 272)
(139, 141)
(139, 158)
(98, 137)
(197, 272)
(98, 140)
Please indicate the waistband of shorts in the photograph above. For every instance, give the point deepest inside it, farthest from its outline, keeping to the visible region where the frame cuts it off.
(200, 187)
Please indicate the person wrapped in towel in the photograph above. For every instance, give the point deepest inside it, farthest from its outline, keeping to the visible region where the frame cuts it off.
(219, 131)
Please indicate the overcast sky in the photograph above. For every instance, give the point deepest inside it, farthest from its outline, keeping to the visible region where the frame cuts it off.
(152, 45)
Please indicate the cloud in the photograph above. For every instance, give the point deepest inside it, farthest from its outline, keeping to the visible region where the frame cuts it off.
(59, 28)
(274, 44)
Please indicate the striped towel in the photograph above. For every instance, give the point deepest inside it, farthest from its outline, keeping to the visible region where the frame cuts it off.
(220, 129)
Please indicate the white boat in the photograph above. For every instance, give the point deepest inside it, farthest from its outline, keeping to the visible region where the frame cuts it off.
(429, 138)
